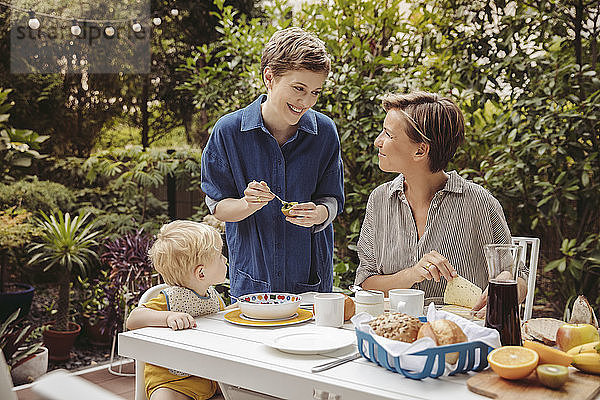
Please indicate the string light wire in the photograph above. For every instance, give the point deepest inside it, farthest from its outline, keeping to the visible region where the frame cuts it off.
(70, 18)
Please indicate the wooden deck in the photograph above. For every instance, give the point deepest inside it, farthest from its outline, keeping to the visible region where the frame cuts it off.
(123, 386)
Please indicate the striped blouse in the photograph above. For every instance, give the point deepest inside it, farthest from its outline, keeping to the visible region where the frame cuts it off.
(462, 217)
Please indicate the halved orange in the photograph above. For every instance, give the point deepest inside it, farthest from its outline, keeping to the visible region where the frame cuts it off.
(513, 362)
(549, 355)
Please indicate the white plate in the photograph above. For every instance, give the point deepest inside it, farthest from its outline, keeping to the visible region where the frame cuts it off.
(314, 340)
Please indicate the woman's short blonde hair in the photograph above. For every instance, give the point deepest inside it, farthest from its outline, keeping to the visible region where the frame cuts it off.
(293, 49)
(180, 246)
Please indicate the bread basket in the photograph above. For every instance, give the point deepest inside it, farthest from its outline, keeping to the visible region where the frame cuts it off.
(472, 357)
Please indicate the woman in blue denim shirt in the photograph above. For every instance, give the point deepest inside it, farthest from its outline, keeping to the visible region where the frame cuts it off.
(278, 145)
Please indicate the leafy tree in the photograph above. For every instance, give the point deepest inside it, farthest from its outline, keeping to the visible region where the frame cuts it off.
(17, 146)
(524, 74)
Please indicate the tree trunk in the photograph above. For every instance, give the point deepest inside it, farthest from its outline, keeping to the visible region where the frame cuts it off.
(145, 111)
(2, 268)
(62, 317)
(578, 25)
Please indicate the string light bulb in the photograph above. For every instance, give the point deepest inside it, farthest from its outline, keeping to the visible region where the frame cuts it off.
(136, 26)
(174, 12)
(156, 20)
(109, 30)
(33, 22)
(75, 29)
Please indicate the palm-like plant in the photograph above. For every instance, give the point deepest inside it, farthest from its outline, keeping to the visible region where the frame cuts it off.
(65, 243)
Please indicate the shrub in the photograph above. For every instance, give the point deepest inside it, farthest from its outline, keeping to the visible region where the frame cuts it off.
(17, 146)
(130, 276)
(35, 195)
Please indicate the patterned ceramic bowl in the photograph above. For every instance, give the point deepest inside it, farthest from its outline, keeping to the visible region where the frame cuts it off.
(269, 305)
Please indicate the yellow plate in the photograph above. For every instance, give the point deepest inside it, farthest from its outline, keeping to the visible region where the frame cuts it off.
(235, 318)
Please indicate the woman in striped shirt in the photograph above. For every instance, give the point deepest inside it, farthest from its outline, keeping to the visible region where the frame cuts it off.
(426, 226)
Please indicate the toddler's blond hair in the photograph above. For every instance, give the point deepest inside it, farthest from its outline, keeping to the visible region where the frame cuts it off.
(180, 246)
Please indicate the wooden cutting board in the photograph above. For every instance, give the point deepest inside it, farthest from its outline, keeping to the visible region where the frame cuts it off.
(580, 386)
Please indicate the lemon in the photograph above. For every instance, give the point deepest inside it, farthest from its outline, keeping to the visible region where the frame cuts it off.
(513, 362)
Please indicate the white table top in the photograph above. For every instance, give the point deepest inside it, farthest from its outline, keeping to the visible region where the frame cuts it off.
(236, 355)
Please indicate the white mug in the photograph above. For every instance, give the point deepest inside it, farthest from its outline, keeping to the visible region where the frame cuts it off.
(408, 301)
(329, 309)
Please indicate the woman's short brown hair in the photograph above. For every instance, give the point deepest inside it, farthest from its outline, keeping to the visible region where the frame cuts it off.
(293, 49)
(433, 119)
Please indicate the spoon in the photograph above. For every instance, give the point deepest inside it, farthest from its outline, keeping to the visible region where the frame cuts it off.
(283, 203)
(356, 288)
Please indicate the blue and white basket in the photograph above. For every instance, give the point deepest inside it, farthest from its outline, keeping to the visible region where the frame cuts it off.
(472, 357)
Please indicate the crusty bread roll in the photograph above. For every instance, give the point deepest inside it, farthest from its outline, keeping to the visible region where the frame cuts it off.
(396, 326)
(349, 308)
(443, 332)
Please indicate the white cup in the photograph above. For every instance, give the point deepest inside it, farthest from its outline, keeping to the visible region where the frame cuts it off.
(408, 301)
(329, 309)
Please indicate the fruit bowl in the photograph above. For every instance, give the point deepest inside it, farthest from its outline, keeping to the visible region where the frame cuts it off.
(269, 305)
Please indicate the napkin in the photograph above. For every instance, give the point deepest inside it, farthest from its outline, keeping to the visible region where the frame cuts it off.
(403, 350)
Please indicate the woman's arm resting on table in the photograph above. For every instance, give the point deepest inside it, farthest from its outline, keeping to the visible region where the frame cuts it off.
(142, 317)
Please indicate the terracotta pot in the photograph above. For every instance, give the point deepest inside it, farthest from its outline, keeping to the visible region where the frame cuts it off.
(59, 343)
(17, 295)
(30, 368)
(94, 332)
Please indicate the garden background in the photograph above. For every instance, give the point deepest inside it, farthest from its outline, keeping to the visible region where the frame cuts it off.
(524, 73)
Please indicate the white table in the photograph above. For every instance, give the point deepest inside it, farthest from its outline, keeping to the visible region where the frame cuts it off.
(236, 355)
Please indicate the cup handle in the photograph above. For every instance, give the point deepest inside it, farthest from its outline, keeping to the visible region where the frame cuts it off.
(401, 306)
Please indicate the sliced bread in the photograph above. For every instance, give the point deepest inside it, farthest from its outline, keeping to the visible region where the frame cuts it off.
(542, 329)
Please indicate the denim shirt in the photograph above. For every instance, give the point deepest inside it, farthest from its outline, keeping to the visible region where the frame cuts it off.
(267, 253)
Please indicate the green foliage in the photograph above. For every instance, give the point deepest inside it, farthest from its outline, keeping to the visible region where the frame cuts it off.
(17, 146)
(524, 74)
(66, 243)
(36, 195)
(16, 231)
(15, 340)
(124, 178)
(531, 95)
(16, 228)
(94, 298)
(237, 53)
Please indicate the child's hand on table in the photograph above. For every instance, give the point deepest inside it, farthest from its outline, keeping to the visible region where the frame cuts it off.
(180, 320)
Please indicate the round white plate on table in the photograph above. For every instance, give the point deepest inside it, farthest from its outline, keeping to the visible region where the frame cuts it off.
(314, 340)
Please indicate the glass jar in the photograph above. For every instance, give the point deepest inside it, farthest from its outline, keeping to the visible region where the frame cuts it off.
(370, 302)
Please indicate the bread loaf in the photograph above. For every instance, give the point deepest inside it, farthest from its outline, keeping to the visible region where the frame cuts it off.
(583, 313)
(396, 326)
(443, 332)
(349, 308)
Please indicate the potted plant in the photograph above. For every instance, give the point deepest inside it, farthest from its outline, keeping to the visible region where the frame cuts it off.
(93, 305)
(16, 231)
(26, 358)
(65, 242)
